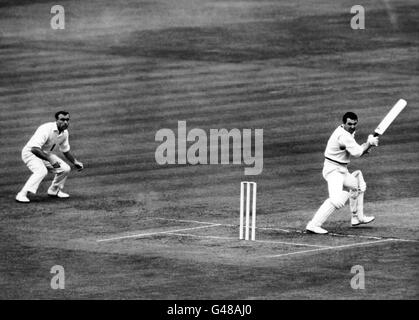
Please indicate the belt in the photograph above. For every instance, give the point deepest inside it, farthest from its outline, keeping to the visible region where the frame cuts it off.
(341, 163)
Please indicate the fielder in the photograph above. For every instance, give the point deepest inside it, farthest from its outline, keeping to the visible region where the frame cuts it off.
(340, 147)
(38, 157)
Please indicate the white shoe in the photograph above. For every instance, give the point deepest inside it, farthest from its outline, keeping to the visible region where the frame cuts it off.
(58, 194)
(315, 229)
(20, 197)
(355, 221)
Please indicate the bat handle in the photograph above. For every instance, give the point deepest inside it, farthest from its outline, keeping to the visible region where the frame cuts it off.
(375, 134)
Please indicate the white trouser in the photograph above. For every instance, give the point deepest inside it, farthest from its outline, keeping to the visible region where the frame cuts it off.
(338, 177)
(40, 169)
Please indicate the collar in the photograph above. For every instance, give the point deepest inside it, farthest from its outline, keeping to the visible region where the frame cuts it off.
(352, 134)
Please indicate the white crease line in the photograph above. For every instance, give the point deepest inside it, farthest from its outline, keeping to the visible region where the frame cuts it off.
(274, 229)
(140, 235)
(225, 225)
(189, 221)
(329, 248)
(198, 236)
(405, 240)
(260, 241)
(293, 243)
(354, 236)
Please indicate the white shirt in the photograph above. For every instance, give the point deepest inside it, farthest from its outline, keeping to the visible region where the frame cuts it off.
(47, 138)
(342, 145)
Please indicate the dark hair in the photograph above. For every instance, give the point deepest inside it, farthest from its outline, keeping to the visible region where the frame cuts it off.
(61, 112)
(349, 115)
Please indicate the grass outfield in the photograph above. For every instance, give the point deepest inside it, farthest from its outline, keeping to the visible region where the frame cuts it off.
(133, 229)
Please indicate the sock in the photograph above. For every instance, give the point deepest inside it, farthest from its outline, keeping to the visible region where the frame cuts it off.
(53, 188)
(360, 207)
(353, 202)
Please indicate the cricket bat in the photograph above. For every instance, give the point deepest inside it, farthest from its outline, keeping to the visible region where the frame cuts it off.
(389, 118)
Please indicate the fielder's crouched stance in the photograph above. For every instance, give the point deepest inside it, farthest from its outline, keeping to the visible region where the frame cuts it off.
(340, 147)
(37, 156)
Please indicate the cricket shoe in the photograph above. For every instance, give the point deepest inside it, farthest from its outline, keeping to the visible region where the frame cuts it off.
(355, 221)
(58, 194)
(20, 197)
(310, 228)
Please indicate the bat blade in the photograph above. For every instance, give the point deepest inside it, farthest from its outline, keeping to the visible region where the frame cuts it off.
(389, 118)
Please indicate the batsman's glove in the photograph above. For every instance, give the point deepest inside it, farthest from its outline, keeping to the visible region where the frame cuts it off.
(372, 140)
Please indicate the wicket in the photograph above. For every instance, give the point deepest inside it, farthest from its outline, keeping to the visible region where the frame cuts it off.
(248, 186)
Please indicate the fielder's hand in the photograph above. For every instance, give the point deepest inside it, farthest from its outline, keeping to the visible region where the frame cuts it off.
(78, 165)
(55, 165)
(372, 140)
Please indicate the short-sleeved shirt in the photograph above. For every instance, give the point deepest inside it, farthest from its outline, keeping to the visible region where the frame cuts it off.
(342, 145)
(47, 137)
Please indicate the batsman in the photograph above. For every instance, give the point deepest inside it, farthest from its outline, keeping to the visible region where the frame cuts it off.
(340, 147)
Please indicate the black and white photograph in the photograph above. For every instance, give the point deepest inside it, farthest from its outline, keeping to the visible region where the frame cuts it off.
(216, 151)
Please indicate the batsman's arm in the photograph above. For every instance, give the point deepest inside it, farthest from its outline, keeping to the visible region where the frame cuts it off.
(73, 160)
(372, 141)
(366, 148)
(356, 150)
(44, 156)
